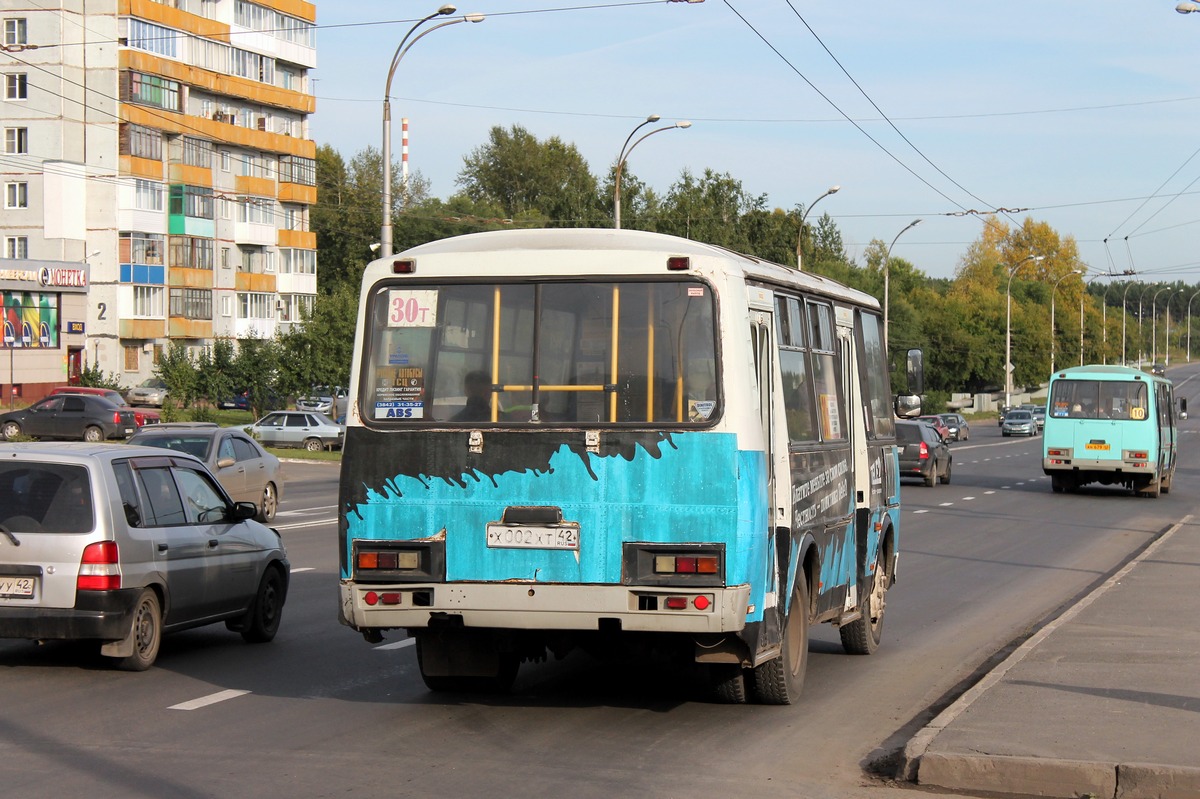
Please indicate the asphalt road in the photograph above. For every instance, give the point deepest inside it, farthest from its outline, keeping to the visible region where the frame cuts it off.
(319, 712)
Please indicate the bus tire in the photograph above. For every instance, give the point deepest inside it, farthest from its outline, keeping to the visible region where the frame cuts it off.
(728, 683)
(779, 681)
(862, 637)
(1057, 484)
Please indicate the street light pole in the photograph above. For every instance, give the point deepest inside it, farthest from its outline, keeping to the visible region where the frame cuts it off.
(804, 216)
(1124, 294)
(1154, 324)
(385, 235)
(1008, 326)
(887, 271)
(1054, 289)
(622, 156)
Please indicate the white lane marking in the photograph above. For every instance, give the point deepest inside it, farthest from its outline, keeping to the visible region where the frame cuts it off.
(300, 511)
(989, 492)
(298, 525)
(397, 644)
(968, 499)
(945, 504)
(211, 699)
(920, 511)
(303, 569)
(1006, 487)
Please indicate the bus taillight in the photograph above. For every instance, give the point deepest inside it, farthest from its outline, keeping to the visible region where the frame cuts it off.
(678, 263)
(404, 267)
(1137, 455)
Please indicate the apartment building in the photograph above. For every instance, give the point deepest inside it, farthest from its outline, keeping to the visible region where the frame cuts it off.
(156, 156)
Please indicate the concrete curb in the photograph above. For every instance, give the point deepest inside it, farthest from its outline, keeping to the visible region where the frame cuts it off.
(1001, 774)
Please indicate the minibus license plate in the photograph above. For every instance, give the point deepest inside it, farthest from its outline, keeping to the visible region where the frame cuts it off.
(18, 587)
(1098, 446)
(506, 536)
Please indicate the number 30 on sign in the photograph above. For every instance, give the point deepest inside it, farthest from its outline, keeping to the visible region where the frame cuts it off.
(412, 308)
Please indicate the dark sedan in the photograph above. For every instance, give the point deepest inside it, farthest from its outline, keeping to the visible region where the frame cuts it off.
(75, 417)
(923, 453)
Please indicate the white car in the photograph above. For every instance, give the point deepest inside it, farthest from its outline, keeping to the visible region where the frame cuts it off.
(308, 429)
(151, 391)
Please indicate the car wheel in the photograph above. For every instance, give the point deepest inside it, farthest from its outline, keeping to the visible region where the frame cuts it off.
(262, 620)
(945, 478)
(313, 445)
(93, 434)
(11, 430)
(269, 504)
(146, 632)
(932, 476)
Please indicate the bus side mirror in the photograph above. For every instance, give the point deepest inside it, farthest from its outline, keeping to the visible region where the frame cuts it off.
(908, 404)
(1182, 407)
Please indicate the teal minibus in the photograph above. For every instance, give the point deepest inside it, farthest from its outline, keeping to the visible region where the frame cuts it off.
(1110, 425)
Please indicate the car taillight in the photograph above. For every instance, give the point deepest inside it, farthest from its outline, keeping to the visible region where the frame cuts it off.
(924, 451)
(98, 570)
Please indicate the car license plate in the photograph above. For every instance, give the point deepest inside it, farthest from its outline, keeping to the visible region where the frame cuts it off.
(508, 536)
(16, 587)
(1097, 446)
(128, 431)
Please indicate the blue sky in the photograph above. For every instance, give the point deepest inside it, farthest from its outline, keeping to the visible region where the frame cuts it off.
(1085, 113)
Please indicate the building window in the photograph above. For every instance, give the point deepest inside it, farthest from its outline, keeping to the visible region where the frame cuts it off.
(197, 152)
(225, 259)
(16, 246)
(15, 32)
(191, 252)
(148, 195)
(226, 305)
(252, 305)
(133, 356)
(298, 262)
(16, 141)
(281, 26)
(152, 38)
(148, 301)
(253, 66)
(140, 142)
(224, 160)
(151, 90)
(16, 195)
(141, 248)
(293, 169)
(256, 210)
(192, 303)
(193, 201)
(15, 86)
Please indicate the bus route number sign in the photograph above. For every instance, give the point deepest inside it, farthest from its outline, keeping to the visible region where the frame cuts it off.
(412, 308)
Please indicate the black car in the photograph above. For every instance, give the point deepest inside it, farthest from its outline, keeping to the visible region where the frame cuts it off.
(76, 417)
(923, 453)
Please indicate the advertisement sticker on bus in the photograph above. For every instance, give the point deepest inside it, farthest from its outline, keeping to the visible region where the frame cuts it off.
(400, 392)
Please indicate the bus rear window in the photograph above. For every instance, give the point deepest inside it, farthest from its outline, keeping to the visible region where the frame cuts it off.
(1099, 399)
(541, 353)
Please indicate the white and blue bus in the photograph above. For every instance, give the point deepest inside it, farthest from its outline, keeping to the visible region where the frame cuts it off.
(620, 441)
(1110, 425)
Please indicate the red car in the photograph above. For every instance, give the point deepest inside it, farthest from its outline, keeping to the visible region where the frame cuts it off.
(938, 424)
(142, 416)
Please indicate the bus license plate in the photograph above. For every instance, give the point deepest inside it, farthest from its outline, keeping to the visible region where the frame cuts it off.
(16, 587)
(505, 536)
(1097, 446)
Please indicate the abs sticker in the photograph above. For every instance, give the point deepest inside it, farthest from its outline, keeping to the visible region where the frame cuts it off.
(399, 410)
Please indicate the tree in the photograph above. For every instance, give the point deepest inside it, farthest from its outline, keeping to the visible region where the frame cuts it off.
(320, 351)
(521, 175)
(176, 369)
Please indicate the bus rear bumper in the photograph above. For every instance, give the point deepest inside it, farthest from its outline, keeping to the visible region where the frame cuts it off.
(539, 606)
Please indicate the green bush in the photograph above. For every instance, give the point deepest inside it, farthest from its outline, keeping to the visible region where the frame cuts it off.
(203, 413)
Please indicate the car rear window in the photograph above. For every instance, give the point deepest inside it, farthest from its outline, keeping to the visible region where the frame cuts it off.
(45, 498)
(908, 434)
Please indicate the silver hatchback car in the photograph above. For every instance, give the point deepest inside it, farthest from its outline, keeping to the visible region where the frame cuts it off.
(308, 429)
(120, 544)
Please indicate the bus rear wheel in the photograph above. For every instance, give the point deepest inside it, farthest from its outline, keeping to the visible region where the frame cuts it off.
(862, 636)
(779, 681)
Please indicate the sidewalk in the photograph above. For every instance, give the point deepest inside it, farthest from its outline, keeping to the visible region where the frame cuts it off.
(1104, 702)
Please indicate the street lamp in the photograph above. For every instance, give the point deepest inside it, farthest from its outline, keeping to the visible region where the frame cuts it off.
(800, 238)
(1187, 8)
(1141, 338)
(1008, 326)
(1154, 323)
(887, 263)
(401, 50)
(622, 156)
(1053, 289)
